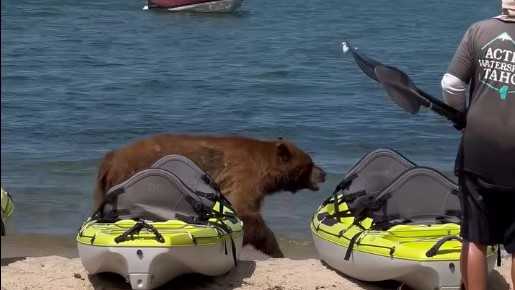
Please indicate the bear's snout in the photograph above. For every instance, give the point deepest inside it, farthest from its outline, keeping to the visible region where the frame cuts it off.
(317, 176)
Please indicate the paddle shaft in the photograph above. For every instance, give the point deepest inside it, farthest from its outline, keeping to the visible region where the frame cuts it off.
(443, 109)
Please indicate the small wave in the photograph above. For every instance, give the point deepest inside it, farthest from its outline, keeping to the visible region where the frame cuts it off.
(273, 74)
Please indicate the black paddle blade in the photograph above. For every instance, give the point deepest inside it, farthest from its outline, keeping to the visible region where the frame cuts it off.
(364, 62)
(404, 93)
(401, 89)
(398, 94)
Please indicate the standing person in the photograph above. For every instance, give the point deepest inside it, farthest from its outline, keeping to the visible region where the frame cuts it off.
(485, 61)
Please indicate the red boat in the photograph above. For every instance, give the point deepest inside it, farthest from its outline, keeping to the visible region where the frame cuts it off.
(195, 5)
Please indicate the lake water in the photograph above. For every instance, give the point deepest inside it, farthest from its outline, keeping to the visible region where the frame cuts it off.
(81, 78)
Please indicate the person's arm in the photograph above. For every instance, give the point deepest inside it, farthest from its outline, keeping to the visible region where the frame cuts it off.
(461, 68)
(454, 92)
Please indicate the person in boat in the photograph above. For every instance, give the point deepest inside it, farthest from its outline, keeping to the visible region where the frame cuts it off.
(485, 63)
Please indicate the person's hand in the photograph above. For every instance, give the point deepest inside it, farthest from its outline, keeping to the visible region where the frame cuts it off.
(459, 121)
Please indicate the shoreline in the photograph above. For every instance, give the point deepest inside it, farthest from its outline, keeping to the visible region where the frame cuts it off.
(16, 245)
(35, 261)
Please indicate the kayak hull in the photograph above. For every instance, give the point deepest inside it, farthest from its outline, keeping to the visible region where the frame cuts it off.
(156, 254)
(148, 268)
(398, 253)
(201, 6)
(430, 275)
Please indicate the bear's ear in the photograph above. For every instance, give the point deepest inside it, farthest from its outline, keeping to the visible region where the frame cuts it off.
(283, 152)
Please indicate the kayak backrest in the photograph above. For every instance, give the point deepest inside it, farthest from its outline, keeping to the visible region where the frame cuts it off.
(419, 193)
(376, 170)
(151, 194)
(191, 175)
(175, 188)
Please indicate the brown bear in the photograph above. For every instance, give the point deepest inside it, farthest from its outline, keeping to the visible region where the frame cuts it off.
(245, 169)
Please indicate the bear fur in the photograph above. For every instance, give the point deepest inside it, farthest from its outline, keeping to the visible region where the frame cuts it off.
(245, 169)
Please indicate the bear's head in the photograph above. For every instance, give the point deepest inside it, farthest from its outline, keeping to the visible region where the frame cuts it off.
(295, 169)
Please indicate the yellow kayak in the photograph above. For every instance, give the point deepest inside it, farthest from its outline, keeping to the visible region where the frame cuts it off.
(390, 219)
(162, 222)
(7, 208)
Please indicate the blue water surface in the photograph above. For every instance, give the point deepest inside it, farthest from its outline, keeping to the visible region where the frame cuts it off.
(82, 77)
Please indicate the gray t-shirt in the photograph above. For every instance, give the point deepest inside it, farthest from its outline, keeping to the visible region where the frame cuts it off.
(485, 59)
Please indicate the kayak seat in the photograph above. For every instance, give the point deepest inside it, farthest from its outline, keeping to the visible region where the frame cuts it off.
(420, 195)
(376, 170)
(175, 188)
(151, 194)
(386, 186)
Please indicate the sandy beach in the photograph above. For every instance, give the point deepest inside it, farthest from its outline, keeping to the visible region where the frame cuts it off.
(49, 262)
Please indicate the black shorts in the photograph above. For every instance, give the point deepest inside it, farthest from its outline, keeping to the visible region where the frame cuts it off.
(488, 214)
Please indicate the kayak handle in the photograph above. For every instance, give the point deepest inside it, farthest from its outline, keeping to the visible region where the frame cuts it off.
(431, 252)
(141, 224)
